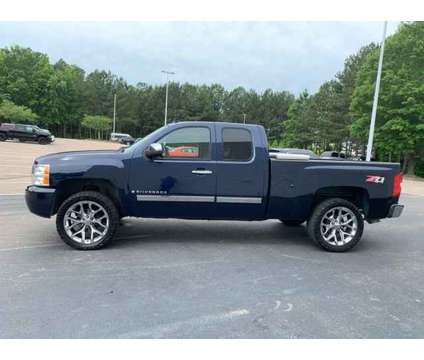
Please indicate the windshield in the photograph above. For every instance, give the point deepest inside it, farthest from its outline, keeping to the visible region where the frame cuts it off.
(146, 138)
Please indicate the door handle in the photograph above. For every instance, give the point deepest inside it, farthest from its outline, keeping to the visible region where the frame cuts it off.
(202, 172)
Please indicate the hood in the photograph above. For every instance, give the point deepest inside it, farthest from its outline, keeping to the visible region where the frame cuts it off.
(44, 132)
(85, 156)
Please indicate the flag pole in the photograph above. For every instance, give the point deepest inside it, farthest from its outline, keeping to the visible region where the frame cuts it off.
(376, 92)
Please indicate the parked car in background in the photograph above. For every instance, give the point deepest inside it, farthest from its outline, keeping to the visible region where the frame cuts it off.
(333, 155)
(310, 153)
(25, 132)
(124, 139)
(184, 151)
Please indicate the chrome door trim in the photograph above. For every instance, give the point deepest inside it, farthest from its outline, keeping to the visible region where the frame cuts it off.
(238, 200)
(179, 160)
(208, 199)
(202, 172)
(176, 198)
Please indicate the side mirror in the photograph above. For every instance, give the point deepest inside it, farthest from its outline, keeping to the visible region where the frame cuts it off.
(154, 150)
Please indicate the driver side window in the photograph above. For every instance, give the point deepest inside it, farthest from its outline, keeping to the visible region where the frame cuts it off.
(187, 143)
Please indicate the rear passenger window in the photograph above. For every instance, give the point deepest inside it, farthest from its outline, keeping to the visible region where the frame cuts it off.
(237, 144)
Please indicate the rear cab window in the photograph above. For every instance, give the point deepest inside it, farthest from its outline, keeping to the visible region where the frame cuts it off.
(237, 144)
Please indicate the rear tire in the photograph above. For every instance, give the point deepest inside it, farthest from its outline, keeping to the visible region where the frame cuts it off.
(87, 220)
(3, 137)
(21, 140)
(292, 223)
(336, 225)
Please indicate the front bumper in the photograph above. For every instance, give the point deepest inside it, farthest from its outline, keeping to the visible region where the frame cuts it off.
(40, 201)
(395, 210)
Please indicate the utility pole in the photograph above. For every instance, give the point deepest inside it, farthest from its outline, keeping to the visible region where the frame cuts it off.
(166, 94)
(114, 112)
(376, 92)
(244, 118)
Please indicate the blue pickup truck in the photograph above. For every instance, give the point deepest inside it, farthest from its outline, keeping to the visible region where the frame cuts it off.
(207, 170)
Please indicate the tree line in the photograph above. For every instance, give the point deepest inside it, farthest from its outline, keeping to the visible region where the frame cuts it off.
(73, 103)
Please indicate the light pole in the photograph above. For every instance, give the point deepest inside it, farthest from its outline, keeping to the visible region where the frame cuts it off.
(244, 118)
(376, 92)
(166, 93)
(114, 112)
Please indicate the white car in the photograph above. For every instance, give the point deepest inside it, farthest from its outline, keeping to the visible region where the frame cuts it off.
(122, 138)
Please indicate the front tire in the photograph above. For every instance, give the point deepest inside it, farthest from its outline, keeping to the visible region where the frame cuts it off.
(87, 220)
(336, 225)
(43, 141)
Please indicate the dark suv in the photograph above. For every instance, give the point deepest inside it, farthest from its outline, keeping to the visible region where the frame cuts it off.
(24, 132)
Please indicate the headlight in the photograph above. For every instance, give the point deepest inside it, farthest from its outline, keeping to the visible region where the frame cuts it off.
(41, 175)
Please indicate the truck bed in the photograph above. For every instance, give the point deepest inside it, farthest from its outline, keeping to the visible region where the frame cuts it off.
(295, 184)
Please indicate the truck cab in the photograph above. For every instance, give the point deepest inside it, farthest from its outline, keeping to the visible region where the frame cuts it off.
(224, 176)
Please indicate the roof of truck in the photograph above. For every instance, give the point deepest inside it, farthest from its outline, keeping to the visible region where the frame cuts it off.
(227, 123)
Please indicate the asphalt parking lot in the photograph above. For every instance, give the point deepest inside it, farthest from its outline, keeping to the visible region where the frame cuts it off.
(203, 279)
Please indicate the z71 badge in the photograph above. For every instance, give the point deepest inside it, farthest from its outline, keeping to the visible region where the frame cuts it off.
(375, 179)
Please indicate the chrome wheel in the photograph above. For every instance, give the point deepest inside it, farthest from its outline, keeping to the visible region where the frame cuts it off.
(339, 226)
(86, 222)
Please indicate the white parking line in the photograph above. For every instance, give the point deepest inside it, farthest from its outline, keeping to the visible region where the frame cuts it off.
(29, 247)
(199, 322)
(8, 181)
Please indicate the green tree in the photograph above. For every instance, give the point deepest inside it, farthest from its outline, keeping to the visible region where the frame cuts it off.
(329, 125)
(66, 97)
(298, 130)
(13, 113)
(99, 89)
(347, 78)
(235, 105)
(25, 78)
(274, 107)
(98, 123)
(400, 114)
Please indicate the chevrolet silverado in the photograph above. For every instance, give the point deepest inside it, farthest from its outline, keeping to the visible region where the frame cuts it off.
(228, 174)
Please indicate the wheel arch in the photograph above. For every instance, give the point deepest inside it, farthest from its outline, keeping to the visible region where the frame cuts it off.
(43, 138)
(357, 195)
(66, 188)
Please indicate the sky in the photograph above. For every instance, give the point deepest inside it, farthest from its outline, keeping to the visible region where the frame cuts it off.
(289, 56)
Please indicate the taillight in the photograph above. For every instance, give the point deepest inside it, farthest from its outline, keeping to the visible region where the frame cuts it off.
(397, 180)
